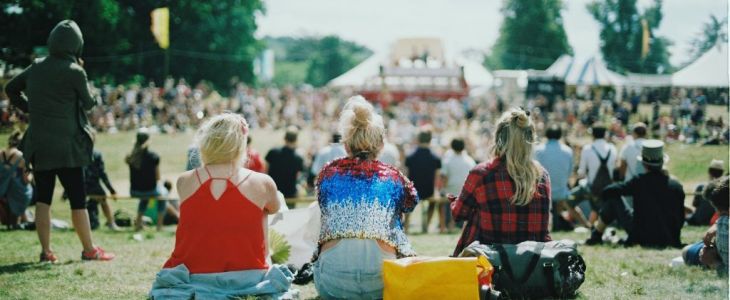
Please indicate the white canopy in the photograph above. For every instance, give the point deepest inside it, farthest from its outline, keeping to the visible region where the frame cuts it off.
(367, 73)
(585, 72)
(710, 70)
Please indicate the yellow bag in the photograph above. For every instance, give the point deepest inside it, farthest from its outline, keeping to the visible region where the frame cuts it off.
(434, 277)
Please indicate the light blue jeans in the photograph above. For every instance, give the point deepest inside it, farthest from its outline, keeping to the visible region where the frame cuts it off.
(352, 269)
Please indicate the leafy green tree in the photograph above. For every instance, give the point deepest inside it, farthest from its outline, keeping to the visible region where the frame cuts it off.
(329, 62)
(531, 36)
(714, 31)
(208, 40)
(622, 36)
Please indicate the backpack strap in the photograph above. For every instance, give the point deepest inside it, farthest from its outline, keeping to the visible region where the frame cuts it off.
(548, 270)
(602, 159)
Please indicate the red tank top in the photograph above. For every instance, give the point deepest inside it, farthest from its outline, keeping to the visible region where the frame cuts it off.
(219, 235)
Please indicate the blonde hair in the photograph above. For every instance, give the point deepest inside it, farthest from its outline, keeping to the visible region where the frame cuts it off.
(515, 137)
(361, 128)
(222, 139)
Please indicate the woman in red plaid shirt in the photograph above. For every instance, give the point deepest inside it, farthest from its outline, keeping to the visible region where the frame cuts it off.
(506, 200)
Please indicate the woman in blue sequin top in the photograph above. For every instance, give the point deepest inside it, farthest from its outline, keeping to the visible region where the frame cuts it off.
(362, 202)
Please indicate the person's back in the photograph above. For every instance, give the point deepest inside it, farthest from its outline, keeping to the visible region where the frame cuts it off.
(658, 211)
(422, 164)
(284, 167)
(221, 247)
(500, 207)
(142, 176)
(557, 159)
(285, 164)
(59, 134)
(222, 232)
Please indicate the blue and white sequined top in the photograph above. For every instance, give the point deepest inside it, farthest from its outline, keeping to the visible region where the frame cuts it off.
(365, 199)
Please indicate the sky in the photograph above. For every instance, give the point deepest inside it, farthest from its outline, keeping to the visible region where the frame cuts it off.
(463, 24)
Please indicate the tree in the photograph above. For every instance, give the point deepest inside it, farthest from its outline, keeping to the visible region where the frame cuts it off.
(531, 36)
(714, 31)
(622, 36)
(208, 40)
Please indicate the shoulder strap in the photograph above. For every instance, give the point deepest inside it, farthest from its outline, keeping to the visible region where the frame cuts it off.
(198, 176)
(504, 258)
(602, 159)
(244, 178)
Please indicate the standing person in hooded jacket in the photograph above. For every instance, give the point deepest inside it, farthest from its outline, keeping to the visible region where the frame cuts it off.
(59, 140)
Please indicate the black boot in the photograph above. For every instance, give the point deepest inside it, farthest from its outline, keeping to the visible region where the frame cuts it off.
(595, 239)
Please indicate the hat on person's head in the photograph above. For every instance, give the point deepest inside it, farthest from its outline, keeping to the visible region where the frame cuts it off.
(652, 153)
(717, 164)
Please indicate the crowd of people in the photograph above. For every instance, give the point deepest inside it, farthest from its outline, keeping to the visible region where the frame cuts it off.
(375, 166)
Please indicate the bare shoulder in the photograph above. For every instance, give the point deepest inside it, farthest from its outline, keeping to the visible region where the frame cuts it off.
(186, 184)
(262, 180)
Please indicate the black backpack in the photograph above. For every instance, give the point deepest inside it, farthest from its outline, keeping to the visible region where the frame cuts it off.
(603, 176)
(533, 269)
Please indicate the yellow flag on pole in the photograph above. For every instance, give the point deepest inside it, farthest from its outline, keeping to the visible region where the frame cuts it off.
(161, 26)
(644, 38)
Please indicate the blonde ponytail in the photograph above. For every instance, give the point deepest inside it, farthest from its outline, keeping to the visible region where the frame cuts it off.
(515, 138)
(361, 128)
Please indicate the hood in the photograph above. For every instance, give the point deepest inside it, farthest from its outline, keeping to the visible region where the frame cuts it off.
(65, 40)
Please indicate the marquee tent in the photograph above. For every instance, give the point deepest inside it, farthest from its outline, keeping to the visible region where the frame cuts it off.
(709, 70)
(584, 72)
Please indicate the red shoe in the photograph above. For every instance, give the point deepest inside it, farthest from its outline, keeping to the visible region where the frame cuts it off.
(97, 254)
(49, 257)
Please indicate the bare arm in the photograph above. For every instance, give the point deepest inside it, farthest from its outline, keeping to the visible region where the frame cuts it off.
(272, 204)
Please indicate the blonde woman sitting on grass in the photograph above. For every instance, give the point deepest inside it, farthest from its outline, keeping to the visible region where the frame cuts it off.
(221, 240)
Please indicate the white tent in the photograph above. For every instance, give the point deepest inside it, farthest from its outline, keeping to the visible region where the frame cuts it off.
(710, 70)
(584, 71)
(367, 73)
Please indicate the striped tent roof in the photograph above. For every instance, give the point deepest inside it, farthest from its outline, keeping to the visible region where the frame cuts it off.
(585, 72)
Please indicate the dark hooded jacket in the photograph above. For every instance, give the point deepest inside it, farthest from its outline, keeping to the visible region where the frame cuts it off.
(56, 96)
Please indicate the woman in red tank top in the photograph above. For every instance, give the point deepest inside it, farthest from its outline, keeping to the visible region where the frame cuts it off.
(223, 206)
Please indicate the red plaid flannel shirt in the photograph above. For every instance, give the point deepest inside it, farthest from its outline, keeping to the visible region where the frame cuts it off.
(490, 218)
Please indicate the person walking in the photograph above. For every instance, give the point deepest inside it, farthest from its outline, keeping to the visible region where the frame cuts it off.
(506, 200)
(423, 169)
(59, 140)
(597, 162)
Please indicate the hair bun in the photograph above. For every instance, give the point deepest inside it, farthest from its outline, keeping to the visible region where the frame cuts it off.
(362, 116)
(520, 118)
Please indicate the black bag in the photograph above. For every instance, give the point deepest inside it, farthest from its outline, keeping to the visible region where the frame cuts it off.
(533, 269)
(603, 176)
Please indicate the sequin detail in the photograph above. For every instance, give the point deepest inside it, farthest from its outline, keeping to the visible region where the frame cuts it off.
(364, 199)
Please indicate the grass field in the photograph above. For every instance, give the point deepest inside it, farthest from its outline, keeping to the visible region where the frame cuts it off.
(613, 273)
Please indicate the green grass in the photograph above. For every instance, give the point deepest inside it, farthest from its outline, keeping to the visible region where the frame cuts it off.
(613, 273)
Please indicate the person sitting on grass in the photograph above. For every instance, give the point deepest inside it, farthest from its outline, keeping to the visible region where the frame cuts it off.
(657, 216)
(221, 243)
(712, 251)
(501, 197)
(144, 173)
(362, 201)
(15, 188)
(704, 211)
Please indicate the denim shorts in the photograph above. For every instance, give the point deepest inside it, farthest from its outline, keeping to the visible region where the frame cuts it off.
(145, 196)
(352, 269)
(692, 258)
